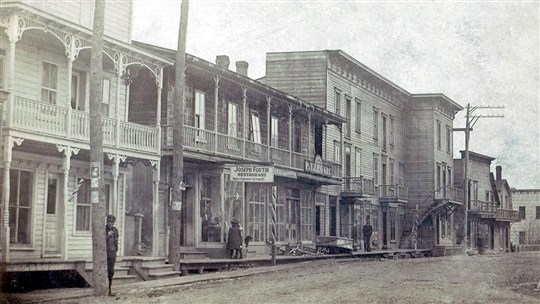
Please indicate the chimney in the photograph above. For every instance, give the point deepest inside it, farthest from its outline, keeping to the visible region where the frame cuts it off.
(499, 172)
(242, 67)
(222, 61)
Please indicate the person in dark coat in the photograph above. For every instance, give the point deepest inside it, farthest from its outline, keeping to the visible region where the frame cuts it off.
(112, 247)
(367, 230)
(234, 240)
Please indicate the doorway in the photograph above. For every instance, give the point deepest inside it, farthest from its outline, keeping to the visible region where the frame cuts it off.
(333, 215)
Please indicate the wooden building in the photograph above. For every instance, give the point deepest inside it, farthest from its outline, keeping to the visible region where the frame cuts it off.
(44, 90)
(231, 120)
(396, 147)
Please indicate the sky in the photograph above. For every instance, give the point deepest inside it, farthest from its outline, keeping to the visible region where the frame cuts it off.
(477, 52)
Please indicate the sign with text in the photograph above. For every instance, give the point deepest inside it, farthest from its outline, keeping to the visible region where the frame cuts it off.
(252, 174)
(317, 167)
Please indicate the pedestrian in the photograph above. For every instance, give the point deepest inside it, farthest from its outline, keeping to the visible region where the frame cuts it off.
(234, 240)
(112, 247)
(367, 230)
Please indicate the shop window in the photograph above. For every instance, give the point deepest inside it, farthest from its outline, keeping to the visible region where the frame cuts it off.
(306, 216)
(256, 198)
(210, 209)
(234, 201)
(20, 206)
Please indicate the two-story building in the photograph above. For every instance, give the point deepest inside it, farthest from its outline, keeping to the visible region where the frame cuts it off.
(527, 231)
(489, 204)
(44, 89)
(396, 147)
(232, 121)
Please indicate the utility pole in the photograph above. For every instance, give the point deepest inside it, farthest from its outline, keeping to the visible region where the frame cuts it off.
(470, 121)
(178, 141)
(97, 197)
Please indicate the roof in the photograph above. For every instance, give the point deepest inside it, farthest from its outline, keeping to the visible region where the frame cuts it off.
(478, 155)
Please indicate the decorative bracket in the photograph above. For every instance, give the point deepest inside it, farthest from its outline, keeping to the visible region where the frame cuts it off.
(67, 150)
(117, 158)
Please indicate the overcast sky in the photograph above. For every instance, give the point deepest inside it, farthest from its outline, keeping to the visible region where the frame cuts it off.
(483, 53)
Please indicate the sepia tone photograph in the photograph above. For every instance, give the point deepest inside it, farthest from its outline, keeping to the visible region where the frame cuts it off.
(258, 151)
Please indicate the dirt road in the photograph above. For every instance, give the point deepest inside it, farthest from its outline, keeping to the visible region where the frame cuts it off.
(503, 278)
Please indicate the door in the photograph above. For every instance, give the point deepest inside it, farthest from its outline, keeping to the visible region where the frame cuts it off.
(384, 229)
(292, 220)
(51, 234)
(384, 179)
(333, 215)
(317, 220)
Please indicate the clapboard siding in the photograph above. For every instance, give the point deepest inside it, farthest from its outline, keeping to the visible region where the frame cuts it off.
(303, 76)
(81, 12)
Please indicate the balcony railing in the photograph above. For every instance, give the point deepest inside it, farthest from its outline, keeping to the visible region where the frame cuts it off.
(38, 117)
(359, 185)
(483, 207)
(394, 192)
(231, 146)
(449, 193)
(506, 214)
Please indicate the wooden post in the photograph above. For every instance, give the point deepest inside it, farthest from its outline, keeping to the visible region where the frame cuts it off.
(178, 140)
(96, 154)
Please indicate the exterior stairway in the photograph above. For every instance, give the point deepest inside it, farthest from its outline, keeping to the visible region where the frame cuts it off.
(191, 253)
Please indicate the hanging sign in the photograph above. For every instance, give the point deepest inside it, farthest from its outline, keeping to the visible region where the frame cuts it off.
(252, 174)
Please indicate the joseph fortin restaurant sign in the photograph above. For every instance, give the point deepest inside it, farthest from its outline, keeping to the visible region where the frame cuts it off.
(252, 174)
(317, 167)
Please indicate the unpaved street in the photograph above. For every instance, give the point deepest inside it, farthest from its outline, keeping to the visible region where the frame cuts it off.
(504, 278)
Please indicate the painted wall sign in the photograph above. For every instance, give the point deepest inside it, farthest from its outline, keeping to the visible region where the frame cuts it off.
(252, 174)
(285, 173)
(317, 167)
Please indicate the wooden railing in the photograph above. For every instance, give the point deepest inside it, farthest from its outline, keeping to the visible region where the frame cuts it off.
(449, 193)
(360, 185)
(38, 117)
(231, 146)
(506, 214)
(394, 192)
(484, 207)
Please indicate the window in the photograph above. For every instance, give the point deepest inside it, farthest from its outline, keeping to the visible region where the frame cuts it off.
(348, 113)
(255, 130)
(337, 101)
(391, 161)
(274, 136)
(450, 176)
(448, 139)
(337, 152)
(256, 196)
(475, 192)
(210, 209)
(487, 196)
(358, 116)
(77, 91)
(49, 79)
(522, 212)
(200, 107)
(438, 179)
(52, 195)
(232, 119)
(106, 97)
(438, 134)
(375, 124)
(2, 71)
(376, 168)
(20, 206)
(384, 132)
(84, 207)
(391, 131)
(538, 212)
(358, 162)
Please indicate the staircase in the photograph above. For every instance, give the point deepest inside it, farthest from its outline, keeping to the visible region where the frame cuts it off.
(121, 274)
(187, 252)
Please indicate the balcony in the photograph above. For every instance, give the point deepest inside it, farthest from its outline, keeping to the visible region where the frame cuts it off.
(450, 194)
(51, 121)
(508, 215)
(216, 143)
(484, 209)
(359, 187)
(393, 194)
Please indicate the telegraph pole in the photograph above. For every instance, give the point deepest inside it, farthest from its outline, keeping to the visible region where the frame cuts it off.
(470, 121)
(178, 141)
(97, 197)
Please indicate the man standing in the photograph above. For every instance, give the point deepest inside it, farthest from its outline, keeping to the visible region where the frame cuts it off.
(367, 230)
(112, 247)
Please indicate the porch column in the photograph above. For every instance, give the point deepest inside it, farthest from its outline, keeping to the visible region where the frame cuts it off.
(67, 151)
(216, 99)
(159, 83)
(119, 68)
(269, 126)
(246, 119)
(8, 146)
(71, 53)
(290, 135)
(155, 203)
(309, 135)
(326, 139)
(115, 205)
